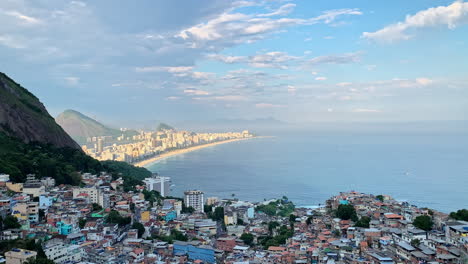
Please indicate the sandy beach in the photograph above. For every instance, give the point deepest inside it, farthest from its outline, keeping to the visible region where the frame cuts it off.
(155, 159)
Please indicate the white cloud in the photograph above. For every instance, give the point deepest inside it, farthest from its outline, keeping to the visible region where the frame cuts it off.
(24, 18)
(282, 11)
(72, 80)
(321, 78)
(229, 29)
(424, 81)
(11, 42)
(196, 92)
(172, 98)
(450, 16)
(336, 58)
(291, 89)
(366, 110)
(178, 69)
(274, 59)
(344, 84)
(268, 105)
(229, 98)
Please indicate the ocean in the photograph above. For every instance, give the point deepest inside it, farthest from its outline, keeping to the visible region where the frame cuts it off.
(428, 170)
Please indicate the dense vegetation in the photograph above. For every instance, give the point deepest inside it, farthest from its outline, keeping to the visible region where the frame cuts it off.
(281, 207)
(363, 222)
(278, 236)
(130, 174)
(29, 244)
(9, 222)
(175, 235)
(461, 214)
(216, 215)
(114, 217)
(346, 212)
(247, 238)
(163, 126)
(423, 222)
(63, 164)
(19, 159)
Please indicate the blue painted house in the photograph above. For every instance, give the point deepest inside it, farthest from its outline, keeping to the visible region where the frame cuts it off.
(204, 253)
(64, 229)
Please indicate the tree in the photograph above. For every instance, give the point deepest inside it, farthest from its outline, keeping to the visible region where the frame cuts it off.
(292, 218)
(380, 197)
(82, 222)
(363, 222)
(346, 212)
(96, 207)
(187, 210)
(415, 242)
(461, 214)
(247, 238)
(218, 214)
(423, 222)
(115, 218)
(309, 220)
(272, 225)
(140, 228)
(41, 214)
(207, 208)
(39, 261)
(10, 222)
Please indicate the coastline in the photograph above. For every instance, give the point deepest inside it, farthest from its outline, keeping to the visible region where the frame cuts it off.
(147, 162)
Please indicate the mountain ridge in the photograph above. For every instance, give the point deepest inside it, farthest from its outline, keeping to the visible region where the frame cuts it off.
(80, 126)
(23, 116)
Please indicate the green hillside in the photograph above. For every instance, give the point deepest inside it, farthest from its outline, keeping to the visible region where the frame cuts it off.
(32, 142)
(22, 115)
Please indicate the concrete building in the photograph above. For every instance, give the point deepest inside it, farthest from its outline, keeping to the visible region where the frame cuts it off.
(194, 199)
(19, 256)
(194, 251)
(33, 187)
(90, 192)
(159, 184)
(59, 252)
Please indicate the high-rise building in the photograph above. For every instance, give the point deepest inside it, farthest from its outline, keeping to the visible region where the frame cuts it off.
(100, 146)
(159, 184)
(194, 199)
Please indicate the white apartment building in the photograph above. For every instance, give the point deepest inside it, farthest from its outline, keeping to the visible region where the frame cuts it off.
(159, 184)
(194, 199)
(58, 252)
(92, 193)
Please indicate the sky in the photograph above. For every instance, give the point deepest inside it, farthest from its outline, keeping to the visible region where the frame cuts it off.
(296, 61)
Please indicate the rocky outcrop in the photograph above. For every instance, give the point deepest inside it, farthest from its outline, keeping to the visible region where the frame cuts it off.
(23, 116)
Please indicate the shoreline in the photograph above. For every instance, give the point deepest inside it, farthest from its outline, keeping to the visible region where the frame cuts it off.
(147, 162)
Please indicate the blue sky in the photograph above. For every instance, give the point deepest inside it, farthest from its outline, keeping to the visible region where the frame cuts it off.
(298, 61)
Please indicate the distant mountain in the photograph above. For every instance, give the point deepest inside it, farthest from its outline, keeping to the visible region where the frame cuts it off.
(80, 126)
(260, 125)
(32, 142)
(23, 116)
(164, 126)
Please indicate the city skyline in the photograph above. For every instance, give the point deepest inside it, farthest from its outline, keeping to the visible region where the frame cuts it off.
(298, 61)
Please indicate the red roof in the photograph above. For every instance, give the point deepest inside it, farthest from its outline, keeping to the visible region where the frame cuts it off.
(273, 248)
(138, 251)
